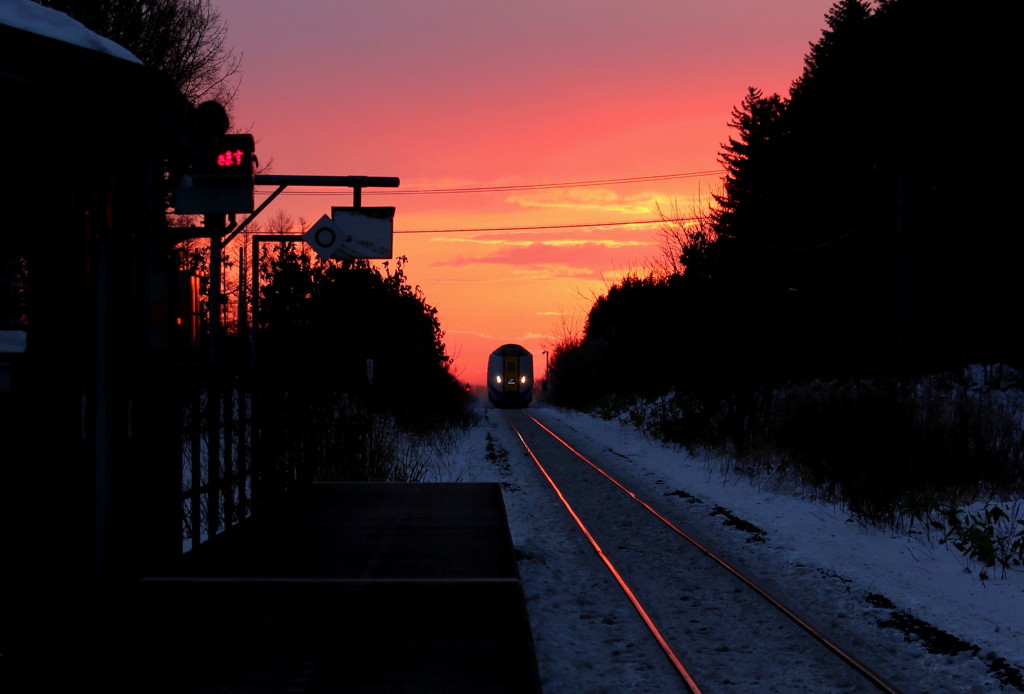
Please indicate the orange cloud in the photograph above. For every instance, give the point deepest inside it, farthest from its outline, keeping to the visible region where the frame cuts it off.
(558, 256)
(597, 200)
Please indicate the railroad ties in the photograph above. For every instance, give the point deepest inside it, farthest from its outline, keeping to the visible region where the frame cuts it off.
(355, 588)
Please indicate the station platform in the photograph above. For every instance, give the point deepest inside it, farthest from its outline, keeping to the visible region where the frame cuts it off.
(352, 588)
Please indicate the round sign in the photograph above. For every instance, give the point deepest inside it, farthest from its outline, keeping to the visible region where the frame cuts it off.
(325, 236)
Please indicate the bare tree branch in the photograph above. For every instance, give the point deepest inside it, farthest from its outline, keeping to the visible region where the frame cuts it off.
(186, 40)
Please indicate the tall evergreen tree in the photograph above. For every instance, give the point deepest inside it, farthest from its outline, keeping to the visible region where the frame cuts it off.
(750, 163)
(846, 23)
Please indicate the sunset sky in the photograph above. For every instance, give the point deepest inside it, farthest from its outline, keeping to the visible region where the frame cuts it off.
(514, 96)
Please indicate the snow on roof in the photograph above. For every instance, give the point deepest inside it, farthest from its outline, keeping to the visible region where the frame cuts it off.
(29, 16)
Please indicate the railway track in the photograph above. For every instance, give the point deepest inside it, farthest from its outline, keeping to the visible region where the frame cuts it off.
(704, 613)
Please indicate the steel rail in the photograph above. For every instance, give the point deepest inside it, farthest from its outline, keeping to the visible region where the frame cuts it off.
(849, 659)
(651, 626)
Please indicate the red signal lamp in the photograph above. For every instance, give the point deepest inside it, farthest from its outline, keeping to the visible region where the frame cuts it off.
(231, 158)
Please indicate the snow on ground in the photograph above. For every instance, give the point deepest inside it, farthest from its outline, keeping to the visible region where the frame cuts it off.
(819, 560)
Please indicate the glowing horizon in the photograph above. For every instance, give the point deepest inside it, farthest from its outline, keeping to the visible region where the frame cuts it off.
(524, 100)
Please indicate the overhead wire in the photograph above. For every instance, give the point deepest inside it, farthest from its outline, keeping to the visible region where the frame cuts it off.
(545, 227)
(533, 186)
(524, 186)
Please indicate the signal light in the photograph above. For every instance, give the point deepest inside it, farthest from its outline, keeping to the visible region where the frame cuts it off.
(230, 158)
(221, 179)
(235, 155)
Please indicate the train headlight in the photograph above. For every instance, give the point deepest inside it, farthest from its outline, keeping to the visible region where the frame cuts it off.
(522, 379)
(497, 379)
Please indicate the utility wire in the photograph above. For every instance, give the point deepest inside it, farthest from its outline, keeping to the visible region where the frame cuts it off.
(533, 186)
(530, 186)
(549, 226)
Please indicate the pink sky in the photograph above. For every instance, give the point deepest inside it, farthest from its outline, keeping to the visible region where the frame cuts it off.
(469, 93)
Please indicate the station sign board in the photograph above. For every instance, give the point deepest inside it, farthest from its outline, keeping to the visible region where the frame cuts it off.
(353, 232)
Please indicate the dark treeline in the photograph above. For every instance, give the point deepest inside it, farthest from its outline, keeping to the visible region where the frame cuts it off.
(861, 229)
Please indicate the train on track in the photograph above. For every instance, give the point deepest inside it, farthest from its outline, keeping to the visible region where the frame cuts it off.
(510, 376)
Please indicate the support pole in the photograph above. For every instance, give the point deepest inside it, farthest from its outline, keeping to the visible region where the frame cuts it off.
(216, 226)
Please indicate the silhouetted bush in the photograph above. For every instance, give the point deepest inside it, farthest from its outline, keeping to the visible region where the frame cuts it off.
(353, 367)
(891, 451)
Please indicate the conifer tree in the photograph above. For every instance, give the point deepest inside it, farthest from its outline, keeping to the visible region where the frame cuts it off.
(846, 22)
(748, 159)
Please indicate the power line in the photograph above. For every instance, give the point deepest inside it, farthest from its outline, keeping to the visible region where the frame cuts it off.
(530, 186)
(550, 226)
